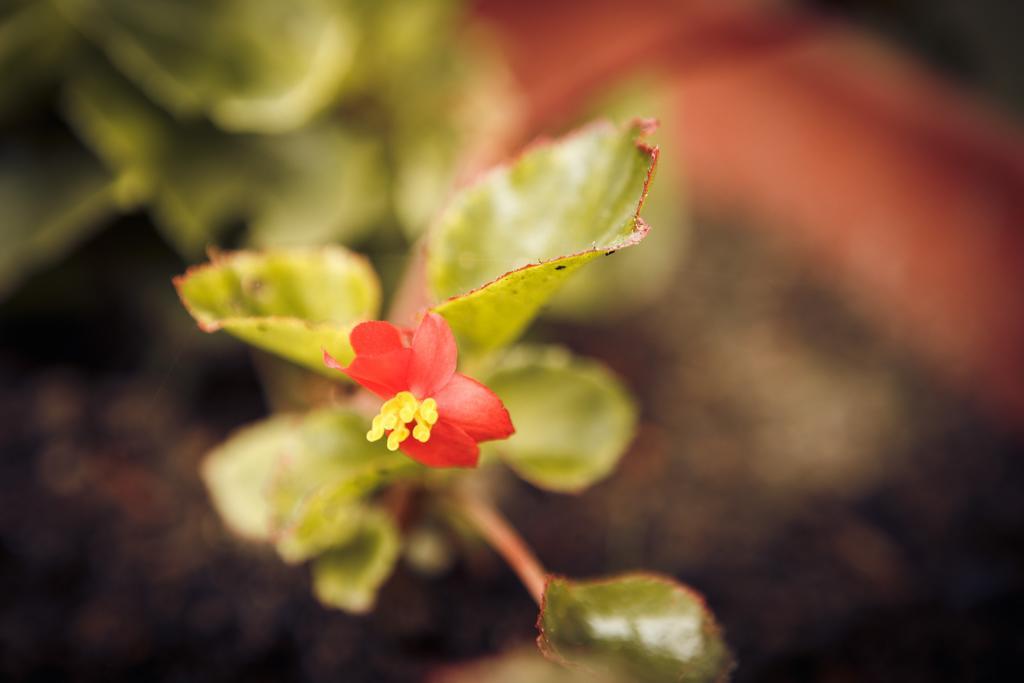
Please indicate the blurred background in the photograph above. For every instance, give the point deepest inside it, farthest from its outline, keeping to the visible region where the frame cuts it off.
(825, 330)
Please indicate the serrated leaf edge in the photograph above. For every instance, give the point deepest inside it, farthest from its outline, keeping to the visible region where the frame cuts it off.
(643, 128)
(219, 258)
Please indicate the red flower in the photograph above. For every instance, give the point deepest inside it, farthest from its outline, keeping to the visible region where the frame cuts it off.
(432, 413)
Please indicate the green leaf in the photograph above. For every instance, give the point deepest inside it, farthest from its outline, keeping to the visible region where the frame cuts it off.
(573, 418)
(349, 575)
(238, 471)
(270, 476)
(508, 243)
(249, 65)
(302, 482)
(316, 492)
(53, 194)
(326, 517)
(292, 302)
(649, 627)
(523, 665)
(636, 277)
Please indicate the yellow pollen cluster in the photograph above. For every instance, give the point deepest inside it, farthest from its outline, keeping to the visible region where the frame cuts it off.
(397, 413)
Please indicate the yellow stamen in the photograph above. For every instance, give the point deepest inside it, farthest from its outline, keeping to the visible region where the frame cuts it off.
(397, 436)
(396, 413)
(428, 411)
(376, 432)
(421, 433)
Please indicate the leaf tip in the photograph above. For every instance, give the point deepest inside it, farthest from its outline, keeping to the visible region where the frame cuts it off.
(179, 281)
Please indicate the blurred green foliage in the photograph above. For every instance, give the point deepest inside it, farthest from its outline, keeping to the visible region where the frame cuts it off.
(302, 482)
(305, 122)
(348, 575)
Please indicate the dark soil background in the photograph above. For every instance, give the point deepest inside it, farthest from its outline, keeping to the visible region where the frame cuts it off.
(848, 517)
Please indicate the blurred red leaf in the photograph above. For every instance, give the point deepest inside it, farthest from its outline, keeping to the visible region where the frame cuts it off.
(907, 193)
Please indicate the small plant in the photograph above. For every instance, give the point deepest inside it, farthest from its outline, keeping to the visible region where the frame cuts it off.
(445, 389)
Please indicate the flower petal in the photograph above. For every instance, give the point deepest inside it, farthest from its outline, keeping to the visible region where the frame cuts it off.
(434, 355)
(448, 446)
(474, 408)
(374, 338)
(384, 374)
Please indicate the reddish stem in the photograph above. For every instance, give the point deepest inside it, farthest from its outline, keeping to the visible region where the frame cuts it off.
(412, 296)
(500, 535)
(400, 502)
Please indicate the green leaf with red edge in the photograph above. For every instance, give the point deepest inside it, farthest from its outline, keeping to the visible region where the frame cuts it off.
(291, 302)
(291, 478)
(349, 575)
(505, 245)
(635, 277)
(574, 419)
(646, 626)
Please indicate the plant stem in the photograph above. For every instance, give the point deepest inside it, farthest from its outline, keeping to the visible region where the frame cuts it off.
(500, 535)
(411, 296)
(399, 501)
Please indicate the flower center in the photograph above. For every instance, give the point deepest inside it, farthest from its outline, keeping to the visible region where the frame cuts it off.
(395, 416)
